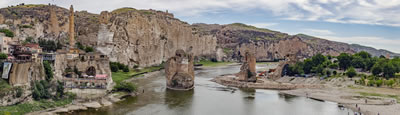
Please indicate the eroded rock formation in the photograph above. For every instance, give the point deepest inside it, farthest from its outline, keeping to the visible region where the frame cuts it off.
(248, 69)
(179, 71)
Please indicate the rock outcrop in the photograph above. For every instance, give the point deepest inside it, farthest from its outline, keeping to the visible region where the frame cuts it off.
(272, 45)
(248, 69)
(179, 71)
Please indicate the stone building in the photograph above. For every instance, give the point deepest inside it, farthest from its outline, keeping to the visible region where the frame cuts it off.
(85, 73)
(4, 43)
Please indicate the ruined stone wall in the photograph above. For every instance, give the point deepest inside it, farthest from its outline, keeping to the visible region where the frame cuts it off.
(101, 66)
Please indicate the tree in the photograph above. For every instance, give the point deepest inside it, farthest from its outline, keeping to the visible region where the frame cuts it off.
(344, 61)
(369, 63)
(334, 66)
(48, 70)
(376, 70)
(389, 70)
(114, 68)
(319, 70)
(363, 54)
(318, 59)
(3, 56)
(60, 90)
(351, 72)
(126, 69)
(358, 62)
(308, 64)
(89, 49)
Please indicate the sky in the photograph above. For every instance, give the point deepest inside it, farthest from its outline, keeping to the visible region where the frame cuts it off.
(374, 23)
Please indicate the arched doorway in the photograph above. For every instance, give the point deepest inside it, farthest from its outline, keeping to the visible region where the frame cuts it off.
(91, 71)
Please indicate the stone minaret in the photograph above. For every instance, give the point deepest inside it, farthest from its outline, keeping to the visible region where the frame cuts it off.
(71, 27)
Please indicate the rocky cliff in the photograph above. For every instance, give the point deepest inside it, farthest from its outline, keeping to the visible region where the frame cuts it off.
(270, 45)
(126, 35)
(149, 37)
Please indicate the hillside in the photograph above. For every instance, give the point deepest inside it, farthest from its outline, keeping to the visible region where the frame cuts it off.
(271, 45)
(150, 37)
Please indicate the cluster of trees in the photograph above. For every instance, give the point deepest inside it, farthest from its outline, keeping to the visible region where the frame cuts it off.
(378, 66)
(40, 90)
(49, 45)
(7, 32)
(116, 66)
(85, 48)
(48, 70)
(317, 64)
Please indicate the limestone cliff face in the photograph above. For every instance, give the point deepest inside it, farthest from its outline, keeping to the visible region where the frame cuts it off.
(36, 21)
(235, 38)
(147, 38)
(126, 35)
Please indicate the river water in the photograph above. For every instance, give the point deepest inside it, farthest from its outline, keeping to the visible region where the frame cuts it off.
(209, 98)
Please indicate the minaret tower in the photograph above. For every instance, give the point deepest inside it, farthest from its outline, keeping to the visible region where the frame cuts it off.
(71, 28)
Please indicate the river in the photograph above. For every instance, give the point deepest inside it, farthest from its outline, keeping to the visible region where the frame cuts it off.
(209, 98)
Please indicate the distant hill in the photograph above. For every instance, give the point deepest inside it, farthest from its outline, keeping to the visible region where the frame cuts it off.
(269, 45)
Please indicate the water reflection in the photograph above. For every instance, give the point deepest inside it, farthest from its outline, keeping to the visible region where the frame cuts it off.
(178, 98)
(209, 98)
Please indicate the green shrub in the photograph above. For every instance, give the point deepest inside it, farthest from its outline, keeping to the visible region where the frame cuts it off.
(351, 72)
(125, 86)
(20, 91)
(89, 49)
(114, 68)
(334, 72)
(7, 32)
(126, 69)
(41, 90)
(371, 83)
(3, 56)
(334, 66)
(60, 90)
(389, 83)
(48, 70)
(379, 83)
(25, 26)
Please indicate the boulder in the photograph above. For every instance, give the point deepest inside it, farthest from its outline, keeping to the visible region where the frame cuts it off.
(180, 71)
(248, 69)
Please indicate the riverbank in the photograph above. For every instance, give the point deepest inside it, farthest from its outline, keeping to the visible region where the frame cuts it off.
(108, 100)
(349, 98)
(340, 90)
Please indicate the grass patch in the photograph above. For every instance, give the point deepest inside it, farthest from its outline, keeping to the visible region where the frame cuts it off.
(208, 63)
(30, 6)
(24, 108)
(123, 10)
(121, 76)
(354, 87)
(365, 94)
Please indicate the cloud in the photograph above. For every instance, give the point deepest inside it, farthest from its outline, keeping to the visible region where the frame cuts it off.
(376, 42)
(263, 25)
(317, 32)
(375, 12)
